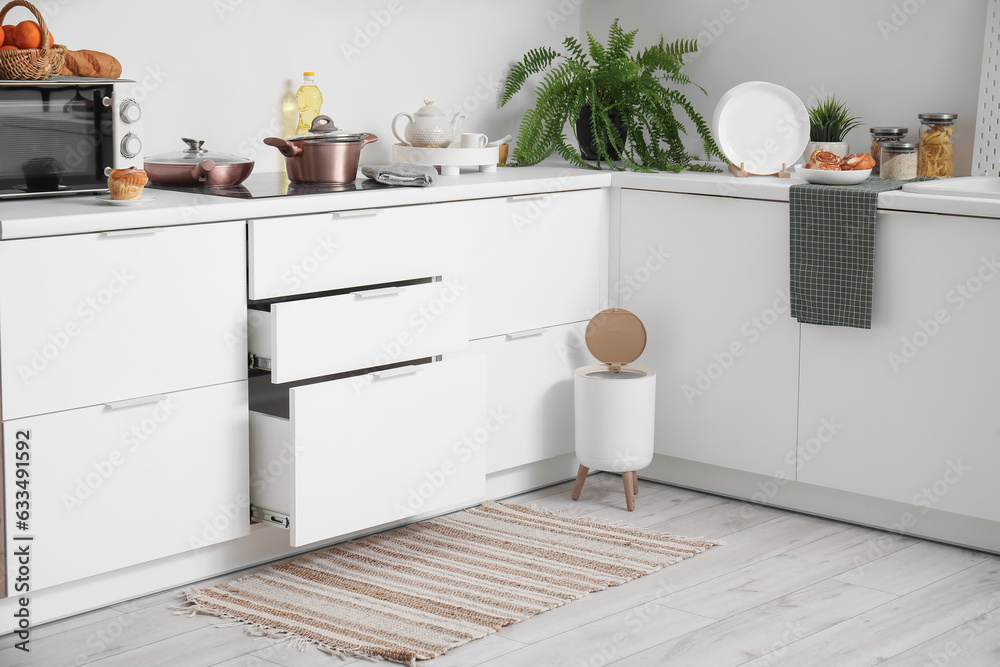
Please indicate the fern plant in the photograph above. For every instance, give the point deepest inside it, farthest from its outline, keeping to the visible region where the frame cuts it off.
(617, 86)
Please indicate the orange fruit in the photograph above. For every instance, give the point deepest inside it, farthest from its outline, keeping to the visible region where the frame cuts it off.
(8, 46)
(28, 35)
(8, 34)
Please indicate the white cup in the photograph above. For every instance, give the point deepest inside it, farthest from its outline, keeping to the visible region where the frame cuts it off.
(473, 140)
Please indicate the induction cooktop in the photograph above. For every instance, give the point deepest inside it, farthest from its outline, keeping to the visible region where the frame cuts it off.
(275, 184)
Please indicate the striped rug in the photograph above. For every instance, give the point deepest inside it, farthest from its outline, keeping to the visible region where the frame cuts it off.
(413, 593)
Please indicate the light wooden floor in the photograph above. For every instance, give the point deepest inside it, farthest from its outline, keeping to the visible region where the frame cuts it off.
(785, 589)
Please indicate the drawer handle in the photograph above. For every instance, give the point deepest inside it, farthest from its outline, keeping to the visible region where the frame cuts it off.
(385, 291)
(395, 372)
(145, 231)
(360, 213)
(541, 195)
(132, 402)
(525, 334)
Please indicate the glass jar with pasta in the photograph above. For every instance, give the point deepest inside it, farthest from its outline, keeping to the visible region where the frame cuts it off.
(936, 155)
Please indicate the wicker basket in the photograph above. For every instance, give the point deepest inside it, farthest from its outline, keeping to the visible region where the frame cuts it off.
(28, 64)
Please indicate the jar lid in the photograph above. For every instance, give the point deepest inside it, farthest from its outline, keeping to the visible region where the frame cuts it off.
(938, 117)
(889, 131)
(616, 337)
(899, 146)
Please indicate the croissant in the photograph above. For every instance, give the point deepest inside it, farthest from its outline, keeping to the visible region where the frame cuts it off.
(857, 161)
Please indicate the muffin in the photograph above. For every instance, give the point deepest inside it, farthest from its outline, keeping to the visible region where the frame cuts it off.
(127, 183)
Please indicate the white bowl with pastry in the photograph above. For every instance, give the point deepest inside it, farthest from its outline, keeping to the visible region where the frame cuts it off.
(831, 176)
(828, 168)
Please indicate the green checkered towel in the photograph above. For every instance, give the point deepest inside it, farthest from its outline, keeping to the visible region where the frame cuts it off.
(832, 247)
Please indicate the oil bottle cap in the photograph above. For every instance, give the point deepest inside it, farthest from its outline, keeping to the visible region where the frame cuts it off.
(309, 74)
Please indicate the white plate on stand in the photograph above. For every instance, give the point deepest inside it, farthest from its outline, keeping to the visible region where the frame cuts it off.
(123, 202)
(761, 126)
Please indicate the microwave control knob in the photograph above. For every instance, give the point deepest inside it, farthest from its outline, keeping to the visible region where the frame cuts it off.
(129, 111)
(131, 145)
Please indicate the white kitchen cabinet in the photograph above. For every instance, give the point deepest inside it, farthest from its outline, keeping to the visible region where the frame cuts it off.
(109, 486)
(96, 318)
(359, 452)
(907, 410)
(534, 260)
(530, 393)
(328, 251)
(362, 329)
(708, 276)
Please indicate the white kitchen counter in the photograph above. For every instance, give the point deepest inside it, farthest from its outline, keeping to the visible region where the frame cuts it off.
(53, 216)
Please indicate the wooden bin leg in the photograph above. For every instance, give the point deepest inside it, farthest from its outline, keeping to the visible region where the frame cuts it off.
(581, 477)
(629, 490)
(635, 482)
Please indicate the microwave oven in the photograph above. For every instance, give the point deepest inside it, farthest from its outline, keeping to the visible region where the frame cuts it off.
(64, 135)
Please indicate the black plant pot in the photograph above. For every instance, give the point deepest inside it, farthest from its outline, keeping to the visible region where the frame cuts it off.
(588, 147)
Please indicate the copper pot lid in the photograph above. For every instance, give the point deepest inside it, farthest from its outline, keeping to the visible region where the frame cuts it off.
(323, 129)
(615, 337)
(195, 154)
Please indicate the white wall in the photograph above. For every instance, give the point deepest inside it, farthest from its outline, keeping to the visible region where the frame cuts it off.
(888, 60)
(217, 69)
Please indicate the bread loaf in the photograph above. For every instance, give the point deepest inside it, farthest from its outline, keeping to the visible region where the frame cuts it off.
(91, 63)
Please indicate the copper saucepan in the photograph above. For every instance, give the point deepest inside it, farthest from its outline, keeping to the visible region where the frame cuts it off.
(325, 154)
(197, 166)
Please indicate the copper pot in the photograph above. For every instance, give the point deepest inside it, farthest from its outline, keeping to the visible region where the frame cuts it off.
(197, 166)
(324, 154)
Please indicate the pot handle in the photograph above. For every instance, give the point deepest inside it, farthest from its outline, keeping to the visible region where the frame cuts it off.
(395, 131)
(287, 148)
(368, 139)
(201, 170)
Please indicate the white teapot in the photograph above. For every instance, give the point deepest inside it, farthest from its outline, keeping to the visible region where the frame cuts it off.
(428, 127)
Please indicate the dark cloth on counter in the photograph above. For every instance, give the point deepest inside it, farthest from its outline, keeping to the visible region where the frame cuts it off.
(400, 173)
(832, 251)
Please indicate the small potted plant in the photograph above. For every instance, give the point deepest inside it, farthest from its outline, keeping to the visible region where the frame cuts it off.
(829, 123)
(617, 101)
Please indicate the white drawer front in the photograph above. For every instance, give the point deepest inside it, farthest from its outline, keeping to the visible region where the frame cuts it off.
(363, 329)
(95, 318)
(113, 486)
(536, 261)
(530, 393)
(365, 451)
(328, 251)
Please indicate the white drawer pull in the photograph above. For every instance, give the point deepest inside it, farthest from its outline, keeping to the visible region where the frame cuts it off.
(385, 291)
(525, 334)
(145, 231)
(132, 402)
(360, 213)
(395, 372)
(540, 195)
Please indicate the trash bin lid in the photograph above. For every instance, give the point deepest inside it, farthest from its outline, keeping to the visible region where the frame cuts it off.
(615, 337)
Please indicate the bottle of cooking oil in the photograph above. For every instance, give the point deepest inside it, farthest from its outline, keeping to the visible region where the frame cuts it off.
(309, 99)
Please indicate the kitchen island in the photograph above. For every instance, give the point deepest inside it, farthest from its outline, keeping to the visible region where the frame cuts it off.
(892, 427)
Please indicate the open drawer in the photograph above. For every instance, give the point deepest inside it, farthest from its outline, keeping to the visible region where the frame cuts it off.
(321, 336)
(368, 450)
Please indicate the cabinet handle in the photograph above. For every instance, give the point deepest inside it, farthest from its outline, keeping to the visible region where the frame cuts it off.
(540, 195)
(395, 372)
(145, 231)
(360, 213)
(132, 402)
(526, 334)
(385, 291)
